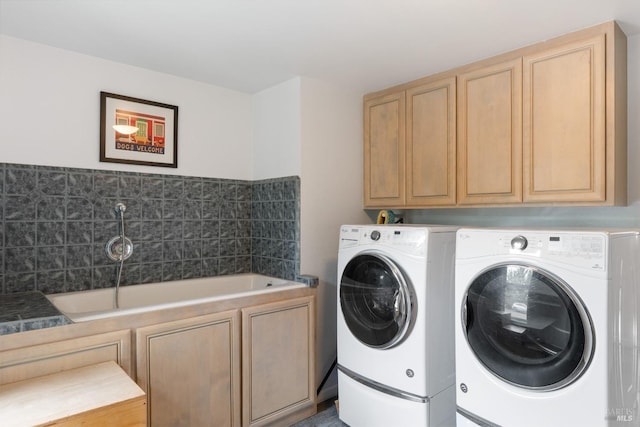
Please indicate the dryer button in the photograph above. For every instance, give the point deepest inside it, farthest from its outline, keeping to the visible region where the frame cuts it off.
(519, 243)
(375, 235)
(410, 373)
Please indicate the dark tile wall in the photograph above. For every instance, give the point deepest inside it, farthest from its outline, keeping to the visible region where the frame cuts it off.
(57, 221)
(275, 227)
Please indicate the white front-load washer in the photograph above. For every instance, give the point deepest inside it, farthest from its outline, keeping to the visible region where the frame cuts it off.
(546, 327)
(395, 325)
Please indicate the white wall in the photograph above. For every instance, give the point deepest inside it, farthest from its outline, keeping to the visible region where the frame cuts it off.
(276, 131)
(50, 112)
(331, 194)
(312, 129)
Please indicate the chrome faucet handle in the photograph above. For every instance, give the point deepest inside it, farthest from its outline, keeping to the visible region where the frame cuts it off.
(118, 249)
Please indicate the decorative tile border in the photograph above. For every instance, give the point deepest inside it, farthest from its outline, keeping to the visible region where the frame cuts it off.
(56, 222)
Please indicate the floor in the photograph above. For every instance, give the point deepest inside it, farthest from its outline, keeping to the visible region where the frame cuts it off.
(327, 416)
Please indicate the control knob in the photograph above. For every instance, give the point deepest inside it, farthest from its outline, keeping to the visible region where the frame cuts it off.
(375, 235)
(519, 243)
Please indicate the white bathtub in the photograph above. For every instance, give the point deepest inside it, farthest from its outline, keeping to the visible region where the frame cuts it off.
(99, 303)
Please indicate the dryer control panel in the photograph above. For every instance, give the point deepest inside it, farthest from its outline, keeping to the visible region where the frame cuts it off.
(581, 249)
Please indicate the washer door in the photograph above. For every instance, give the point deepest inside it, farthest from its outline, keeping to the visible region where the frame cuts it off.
(376, 300)
(527, 327)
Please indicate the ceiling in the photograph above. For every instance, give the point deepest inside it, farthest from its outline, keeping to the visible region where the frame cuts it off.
(251, 45)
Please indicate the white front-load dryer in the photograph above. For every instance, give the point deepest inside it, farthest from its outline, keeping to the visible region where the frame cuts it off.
(546, 327)
(395, 325)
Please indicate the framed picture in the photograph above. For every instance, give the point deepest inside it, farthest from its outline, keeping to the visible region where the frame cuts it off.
(138, 132)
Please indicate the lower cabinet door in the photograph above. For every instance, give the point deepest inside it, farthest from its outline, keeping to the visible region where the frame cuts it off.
(278, 362)
(190, 370)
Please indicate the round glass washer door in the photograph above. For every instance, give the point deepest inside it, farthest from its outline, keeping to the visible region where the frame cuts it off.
(527, 327)
(376, 300)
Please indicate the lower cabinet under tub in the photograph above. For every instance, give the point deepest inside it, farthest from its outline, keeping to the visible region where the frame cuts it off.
(246, 364)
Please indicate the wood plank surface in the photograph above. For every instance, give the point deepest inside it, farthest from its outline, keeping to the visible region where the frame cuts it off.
(82, 396)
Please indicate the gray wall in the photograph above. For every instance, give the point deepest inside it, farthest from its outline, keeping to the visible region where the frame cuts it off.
(557, 217)
(56, 222)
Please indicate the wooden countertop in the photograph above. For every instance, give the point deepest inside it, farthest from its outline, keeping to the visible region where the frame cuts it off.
(67, 394)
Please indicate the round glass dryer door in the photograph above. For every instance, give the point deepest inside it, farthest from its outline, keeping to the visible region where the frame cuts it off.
(527, 327)
(376, 300)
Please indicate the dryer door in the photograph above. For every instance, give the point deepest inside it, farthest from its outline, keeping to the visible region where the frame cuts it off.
(527, 327)
(376, 300)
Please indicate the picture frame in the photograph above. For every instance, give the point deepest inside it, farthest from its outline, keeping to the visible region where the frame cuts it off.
(153, 136)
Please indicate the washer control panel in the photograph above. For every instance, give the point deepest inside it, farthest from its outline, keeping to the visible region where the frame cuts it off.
(407, 239)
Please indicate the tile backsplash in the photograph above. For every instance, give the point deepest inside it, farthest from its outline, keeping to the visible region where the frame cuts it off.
(57, 221)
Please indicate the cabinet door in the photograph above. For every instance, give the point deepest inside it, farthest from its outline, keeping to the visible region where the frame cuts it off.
(431, 144)
(190, 371)
(564, 123)
(384, 151)
(490, 134)
(278, 362)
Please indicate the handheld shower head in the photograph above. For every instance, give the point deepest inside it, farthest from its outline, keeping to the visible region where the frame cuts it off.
(120, 247)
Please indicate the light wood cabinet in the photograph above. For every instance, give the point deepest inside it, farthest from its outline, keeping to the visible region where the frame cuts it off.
(542, 125)
(188, 358)
(190, 370)
(574, 119)
(564, 120)
(278, 362)
(431, 143)
(384, 150)
(409, 148)
(490, 134)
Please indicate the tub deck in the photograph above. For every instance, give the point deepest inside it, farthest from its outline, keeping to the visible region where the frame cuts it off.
(100, 303)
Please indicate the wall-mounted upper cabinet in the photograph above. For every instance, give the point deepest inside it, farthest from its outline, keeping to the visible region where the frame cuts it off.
(431, 143)
(409, 145)
(490, 134)
(564, 119)
(543, 125)
(384, 150)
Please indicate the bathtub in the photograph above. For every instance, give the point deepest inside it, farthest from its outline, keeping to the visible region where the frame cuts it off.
(96, 304)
